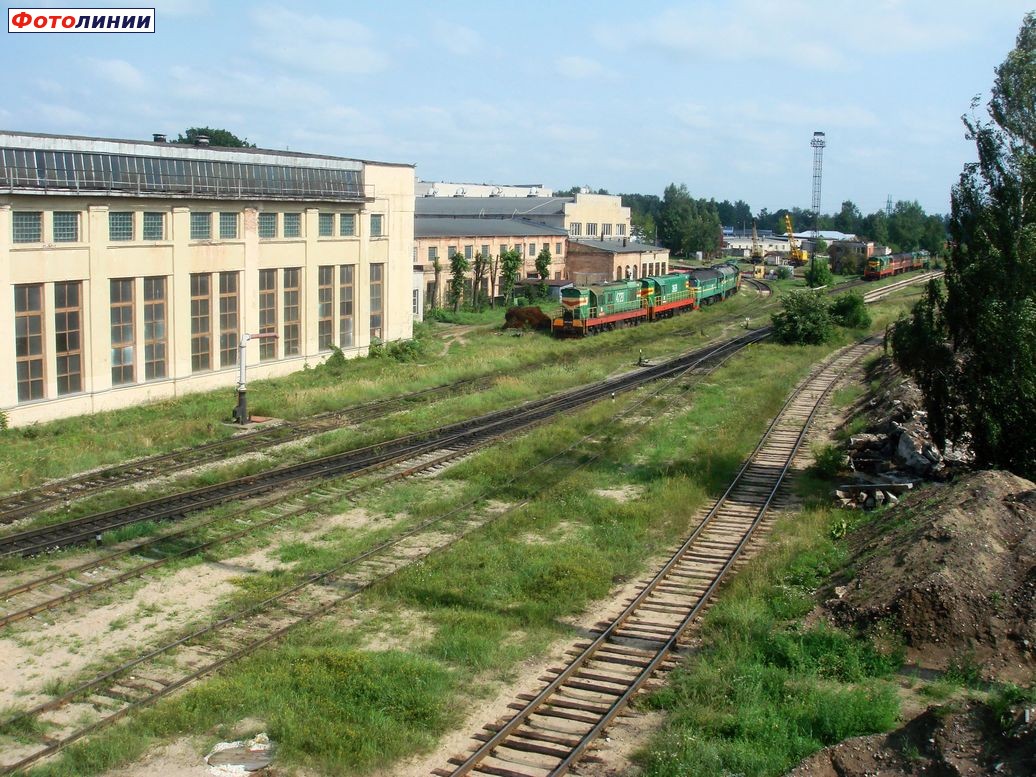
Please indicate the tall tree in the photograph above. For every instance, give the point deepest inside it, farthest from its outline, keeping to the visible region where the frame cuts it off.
(848, 218)
(543, 260)
(479, 266)
(973, 350)
(458, 267)
(510, 268)
(217, 137)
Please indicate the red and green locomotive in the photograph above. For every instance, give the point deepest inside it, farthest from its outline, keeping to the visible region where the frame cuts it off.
(883, 266)
(606, 306)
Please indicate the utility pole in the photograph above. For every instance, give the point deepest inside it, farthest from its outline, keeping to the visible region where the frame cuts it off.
(818, 143)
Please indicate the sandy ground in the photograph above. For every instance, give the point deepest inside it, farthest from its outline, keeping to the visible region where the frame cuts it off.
(61, 643)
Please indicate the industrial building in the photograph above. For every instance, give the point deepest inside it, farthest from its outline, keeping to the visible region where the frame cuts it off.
(594, 216)
(438, 239)
(599, 261)
(133, 269)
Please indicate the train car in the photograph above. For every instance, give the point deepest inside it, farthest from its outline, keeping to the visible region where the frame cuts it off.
(884, 266)
(599, 308)
(667, 295)
(715, 283)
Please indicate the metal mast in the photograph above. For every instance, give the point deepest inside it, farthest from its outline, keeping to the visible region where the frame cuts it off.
(818, 144)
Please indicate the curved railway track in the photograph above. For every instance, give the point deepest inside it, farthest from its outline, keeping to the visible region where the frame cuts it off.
(553, 729)
(761, 286)
(29, 502)
(178, 505)
(165, 669)
(23, 504)
(137, 683)
(464, 434)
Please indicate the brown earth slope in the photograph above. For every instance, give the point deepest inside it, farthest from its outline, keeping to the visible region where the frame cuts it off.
(953, 568)
(937, 743)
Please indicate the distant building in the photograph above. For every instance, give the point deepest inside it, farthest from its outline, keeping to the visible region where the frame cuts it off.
(597, 261)
(594, 216)
(441, 238)
(449, 189)
(130, 270)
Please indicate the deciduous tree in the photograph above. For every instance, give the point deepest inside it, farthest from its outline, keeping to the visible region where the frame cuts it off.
(459, 265)
(973, 349)
(217, 137)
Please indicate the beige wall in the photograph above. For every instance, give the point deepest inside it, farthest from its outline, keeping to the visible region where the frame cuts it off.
(442, 246)
(596, 215)
(95, 260)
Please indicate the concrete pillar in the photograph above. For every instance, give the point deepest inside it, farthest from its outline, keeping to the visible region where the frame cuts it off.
(8, 387)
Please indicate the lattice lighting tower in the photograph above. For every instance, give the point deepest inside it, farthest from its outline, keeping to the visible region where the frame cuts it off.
(818, 144)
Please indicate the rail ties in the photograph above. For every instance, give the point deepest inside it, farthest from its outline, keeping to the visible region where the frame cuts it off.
(551, 730)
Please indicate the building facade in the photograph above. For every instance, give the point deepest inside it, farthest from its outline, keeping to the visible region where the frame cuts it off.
(441, 238)
(594, 216)
(598, 261)
(130, 270)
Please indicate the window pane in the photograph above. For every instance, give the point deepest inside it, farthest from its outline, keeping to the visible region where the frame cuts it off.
(120, 225)
(327, 224)
(347, 224)
(376, 225)
(292, 312)
(228, 319)
(292, 224)
(154, 226)
(66, 226)
(27, 227)
(228, 226)
(122, 336)
(201, 226)
(267, 225)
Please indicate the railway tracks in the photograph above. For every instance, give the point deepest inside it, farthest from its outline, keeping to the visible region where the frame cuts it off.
(162, 670)
(22, 504)
(465, 434)
(89, 528)
(154, 675)
(553, 729)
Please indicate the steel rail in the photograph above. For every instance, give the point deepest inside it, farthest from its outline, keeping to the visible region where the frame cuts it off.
(22, 504)
(113, 675)
(575, 749)
(183, 503)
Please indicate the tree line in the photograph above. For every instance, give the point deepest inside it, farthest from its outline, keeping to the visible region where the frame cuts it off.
(686, 224)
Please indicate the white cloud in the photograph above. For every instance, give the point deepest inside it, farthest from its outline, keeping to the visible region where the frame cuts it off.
(833, 35)
(118, 72)
(319, 43)
(579, 67)
(456, 38)
(60, 115)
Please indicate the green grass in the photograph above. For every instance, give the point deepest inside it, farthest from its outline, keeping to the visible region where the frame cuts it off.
(500, 595)
(764, 692)
(30, 455)
(360, 708)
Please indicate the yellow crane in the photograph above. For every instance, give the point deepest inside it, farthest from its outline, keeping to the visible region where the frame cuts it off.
(796, 255)
(757, 247)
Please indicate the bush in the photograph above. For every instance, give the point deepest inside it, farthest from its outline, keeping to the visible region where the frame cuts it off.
(804, 320)
(828, 461)
(785, 273)
(818, 274)
(849, 310)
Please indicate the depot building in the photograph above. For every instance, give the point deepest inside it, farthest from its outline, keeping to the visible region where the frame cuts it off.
(131, 270)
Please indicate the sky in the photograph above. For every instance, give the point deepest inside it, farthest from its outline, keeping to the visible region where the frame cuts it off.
(721, 95)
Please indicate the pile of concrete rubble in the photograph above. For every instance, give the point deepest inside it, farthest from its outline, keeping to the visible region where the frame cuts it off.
(897, 450)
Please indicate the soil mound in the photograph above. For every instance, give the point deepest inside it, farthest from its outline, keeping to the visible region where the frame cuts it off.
(953, 568)
(530, 317)
(971, 741)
